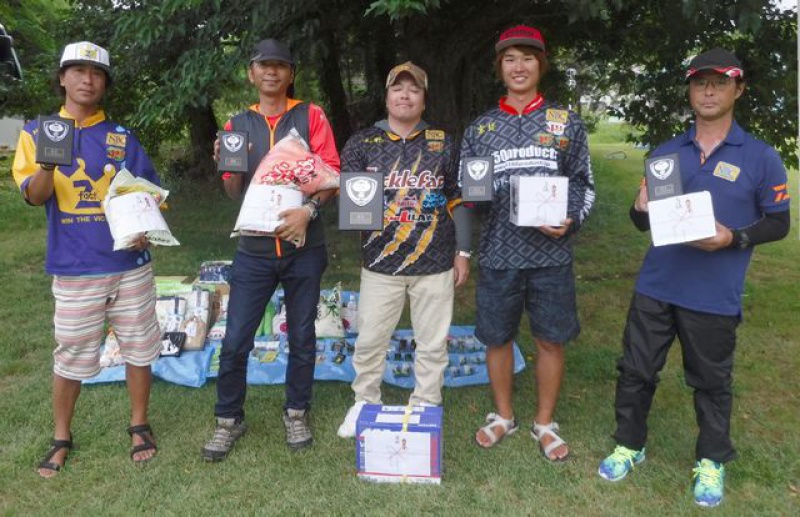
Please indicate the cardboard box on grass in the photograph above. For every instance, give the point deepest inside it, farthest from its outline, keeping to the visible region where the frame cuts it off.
(399, 444)
(538, 200)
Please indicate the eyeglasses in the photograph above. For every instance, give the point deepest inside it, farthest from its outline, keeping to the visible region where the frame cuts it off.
(717, 83)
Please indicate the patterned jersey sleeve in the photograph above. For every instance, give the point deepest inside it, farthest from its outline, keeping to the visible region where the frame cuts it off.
(450, 161)
(578, 168)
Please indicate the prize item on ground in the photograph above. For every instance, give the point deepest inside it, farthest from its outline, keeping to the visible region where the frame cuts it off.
(111, 355)
(215, 272)
(329, 314)
(399, 444)
(172, 344)
(132, 208)
(539, 200)
(679, 219)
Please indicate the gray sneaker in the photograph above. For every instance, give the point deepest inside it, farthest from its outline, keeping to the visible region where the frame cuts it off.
(225, 435)
(298, 432)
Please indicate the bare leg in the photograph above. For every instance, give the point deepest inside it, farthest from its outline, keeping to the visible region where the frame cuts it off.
(500, 365)
(139, 379)
(65, 395)
(549, 373)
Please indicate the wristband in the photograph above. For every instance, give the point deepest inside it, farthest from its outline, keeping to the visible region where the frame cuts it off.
(465, 254)
(48, 168)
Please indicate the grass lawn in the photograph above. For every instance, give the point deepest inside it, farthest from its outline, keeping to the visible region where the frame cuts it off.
(263, 477)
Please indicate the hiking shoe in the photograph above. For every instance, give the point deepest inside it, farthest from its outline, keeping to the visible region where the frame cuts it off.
(709, 482)
(619, 463)
(226, 433)
(298, 432)
(348, 427)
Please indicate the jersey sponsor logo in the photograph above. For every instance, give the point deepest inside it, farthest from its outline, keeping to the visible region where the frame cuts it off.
(361, 190)
(409, 216)
(405, 179)
(661, 169)
(503, 156)
(434, 134)
(556, 128)
(55, 130)
(374, 140)
(435, 147)
(484, 128)
(78, 194)
(233, 142)
(115, 153)
(559, 116)
(727, 171)
(116, 139)
(545, 139)
(562, 142)
(781, 193)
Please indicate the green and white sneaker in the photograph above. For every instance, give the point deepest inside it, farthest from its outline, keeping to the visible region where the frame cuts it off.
(619, 463)
(709, 483)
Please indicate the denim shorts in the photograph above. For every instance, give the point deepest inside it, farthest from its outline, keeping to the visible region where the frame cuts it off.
(548, 295)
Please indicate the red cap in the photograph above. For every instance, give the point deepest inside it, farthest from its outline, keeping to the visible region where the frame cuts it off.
(520, 35)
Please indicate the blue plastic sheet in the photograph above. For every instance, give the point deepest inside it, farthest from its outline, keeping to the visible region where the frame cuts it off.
(267, 362)
(189, 369)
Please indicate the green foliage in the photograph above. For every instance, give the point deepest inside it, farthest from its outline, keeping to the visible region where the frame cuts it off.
(397, 9)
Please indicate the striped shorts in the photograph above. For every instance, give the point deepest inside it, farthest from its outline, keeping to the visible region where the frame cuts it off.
(82, 304)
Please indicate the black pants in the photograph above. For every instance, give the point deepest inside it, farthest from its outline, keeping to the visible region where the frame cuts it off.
(253, 281)
(707, 342)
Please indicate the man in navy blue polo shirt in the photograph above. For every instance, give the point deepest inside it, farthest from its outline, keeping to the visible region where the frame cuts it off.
(693, 290)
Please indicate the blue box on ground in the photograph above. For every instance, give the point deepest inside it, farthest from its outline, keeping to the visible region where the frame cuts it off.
(399, 444)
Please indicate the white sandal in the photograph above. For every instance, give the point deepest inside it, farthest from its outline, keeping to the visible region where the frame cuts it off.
(493, 420)
(540, 430)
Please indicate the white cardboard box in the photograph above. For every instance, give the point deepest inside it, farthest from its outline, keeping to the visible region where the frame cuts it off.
(679, 219)
(399, 444)
(538, 200)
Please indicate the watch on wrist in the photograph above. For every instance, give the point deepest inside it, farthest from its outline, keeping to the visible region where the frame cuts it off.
(312, 208)
(47, 167)
(465, 254)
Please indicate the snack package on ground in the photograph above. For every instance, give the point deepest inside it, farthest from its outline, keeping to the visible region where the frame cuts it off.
(195, 325)
(111, 354)
(132, 210)
(329, 314)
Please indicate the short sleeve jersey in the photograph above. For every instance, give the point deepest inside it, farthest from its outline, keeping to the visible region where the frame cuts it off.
(79, 240)
(746, 179)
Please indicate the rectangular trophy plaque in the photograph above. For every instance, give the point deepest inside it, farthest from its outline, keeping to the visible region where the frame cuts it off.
(233, 147)
(663, 175)
(361, 201)
(54, 140)
(477, 175)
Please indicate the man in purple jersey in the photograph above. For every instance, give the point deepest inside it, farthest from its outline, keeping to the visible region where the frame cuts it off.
(91, 281)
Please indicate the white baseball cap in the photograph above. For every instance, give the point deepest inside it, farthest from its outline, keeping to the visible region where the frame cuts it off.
(86, 52)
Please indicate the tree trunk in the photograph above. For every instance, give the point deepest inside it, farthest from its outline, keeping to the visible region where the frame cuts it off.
(331, 82)
(202, 133)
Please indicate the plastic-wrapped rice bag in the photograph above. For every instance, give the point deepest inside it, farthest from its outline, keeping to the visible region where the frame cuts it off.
(132, 210)
(286, 176)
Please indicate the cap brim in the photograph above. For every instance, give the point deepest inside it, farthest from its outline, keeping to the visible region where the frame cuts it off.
(729, 71)
(270, 57)
(520, 42)
(72, 62)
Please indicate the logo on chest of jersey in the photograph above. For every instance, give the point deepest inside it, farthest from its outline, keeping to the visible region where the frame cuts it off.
(727, 171)
(521, 153)
(115, 153)
(405, 179)
(116, 139)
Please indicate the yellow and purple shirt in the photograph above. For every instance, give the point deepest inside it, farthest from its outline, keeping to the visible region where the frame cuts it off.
(79, 241)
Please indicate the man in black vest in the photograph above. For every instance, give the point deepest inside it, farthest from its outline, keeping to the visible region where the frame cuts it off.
(261, 262)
